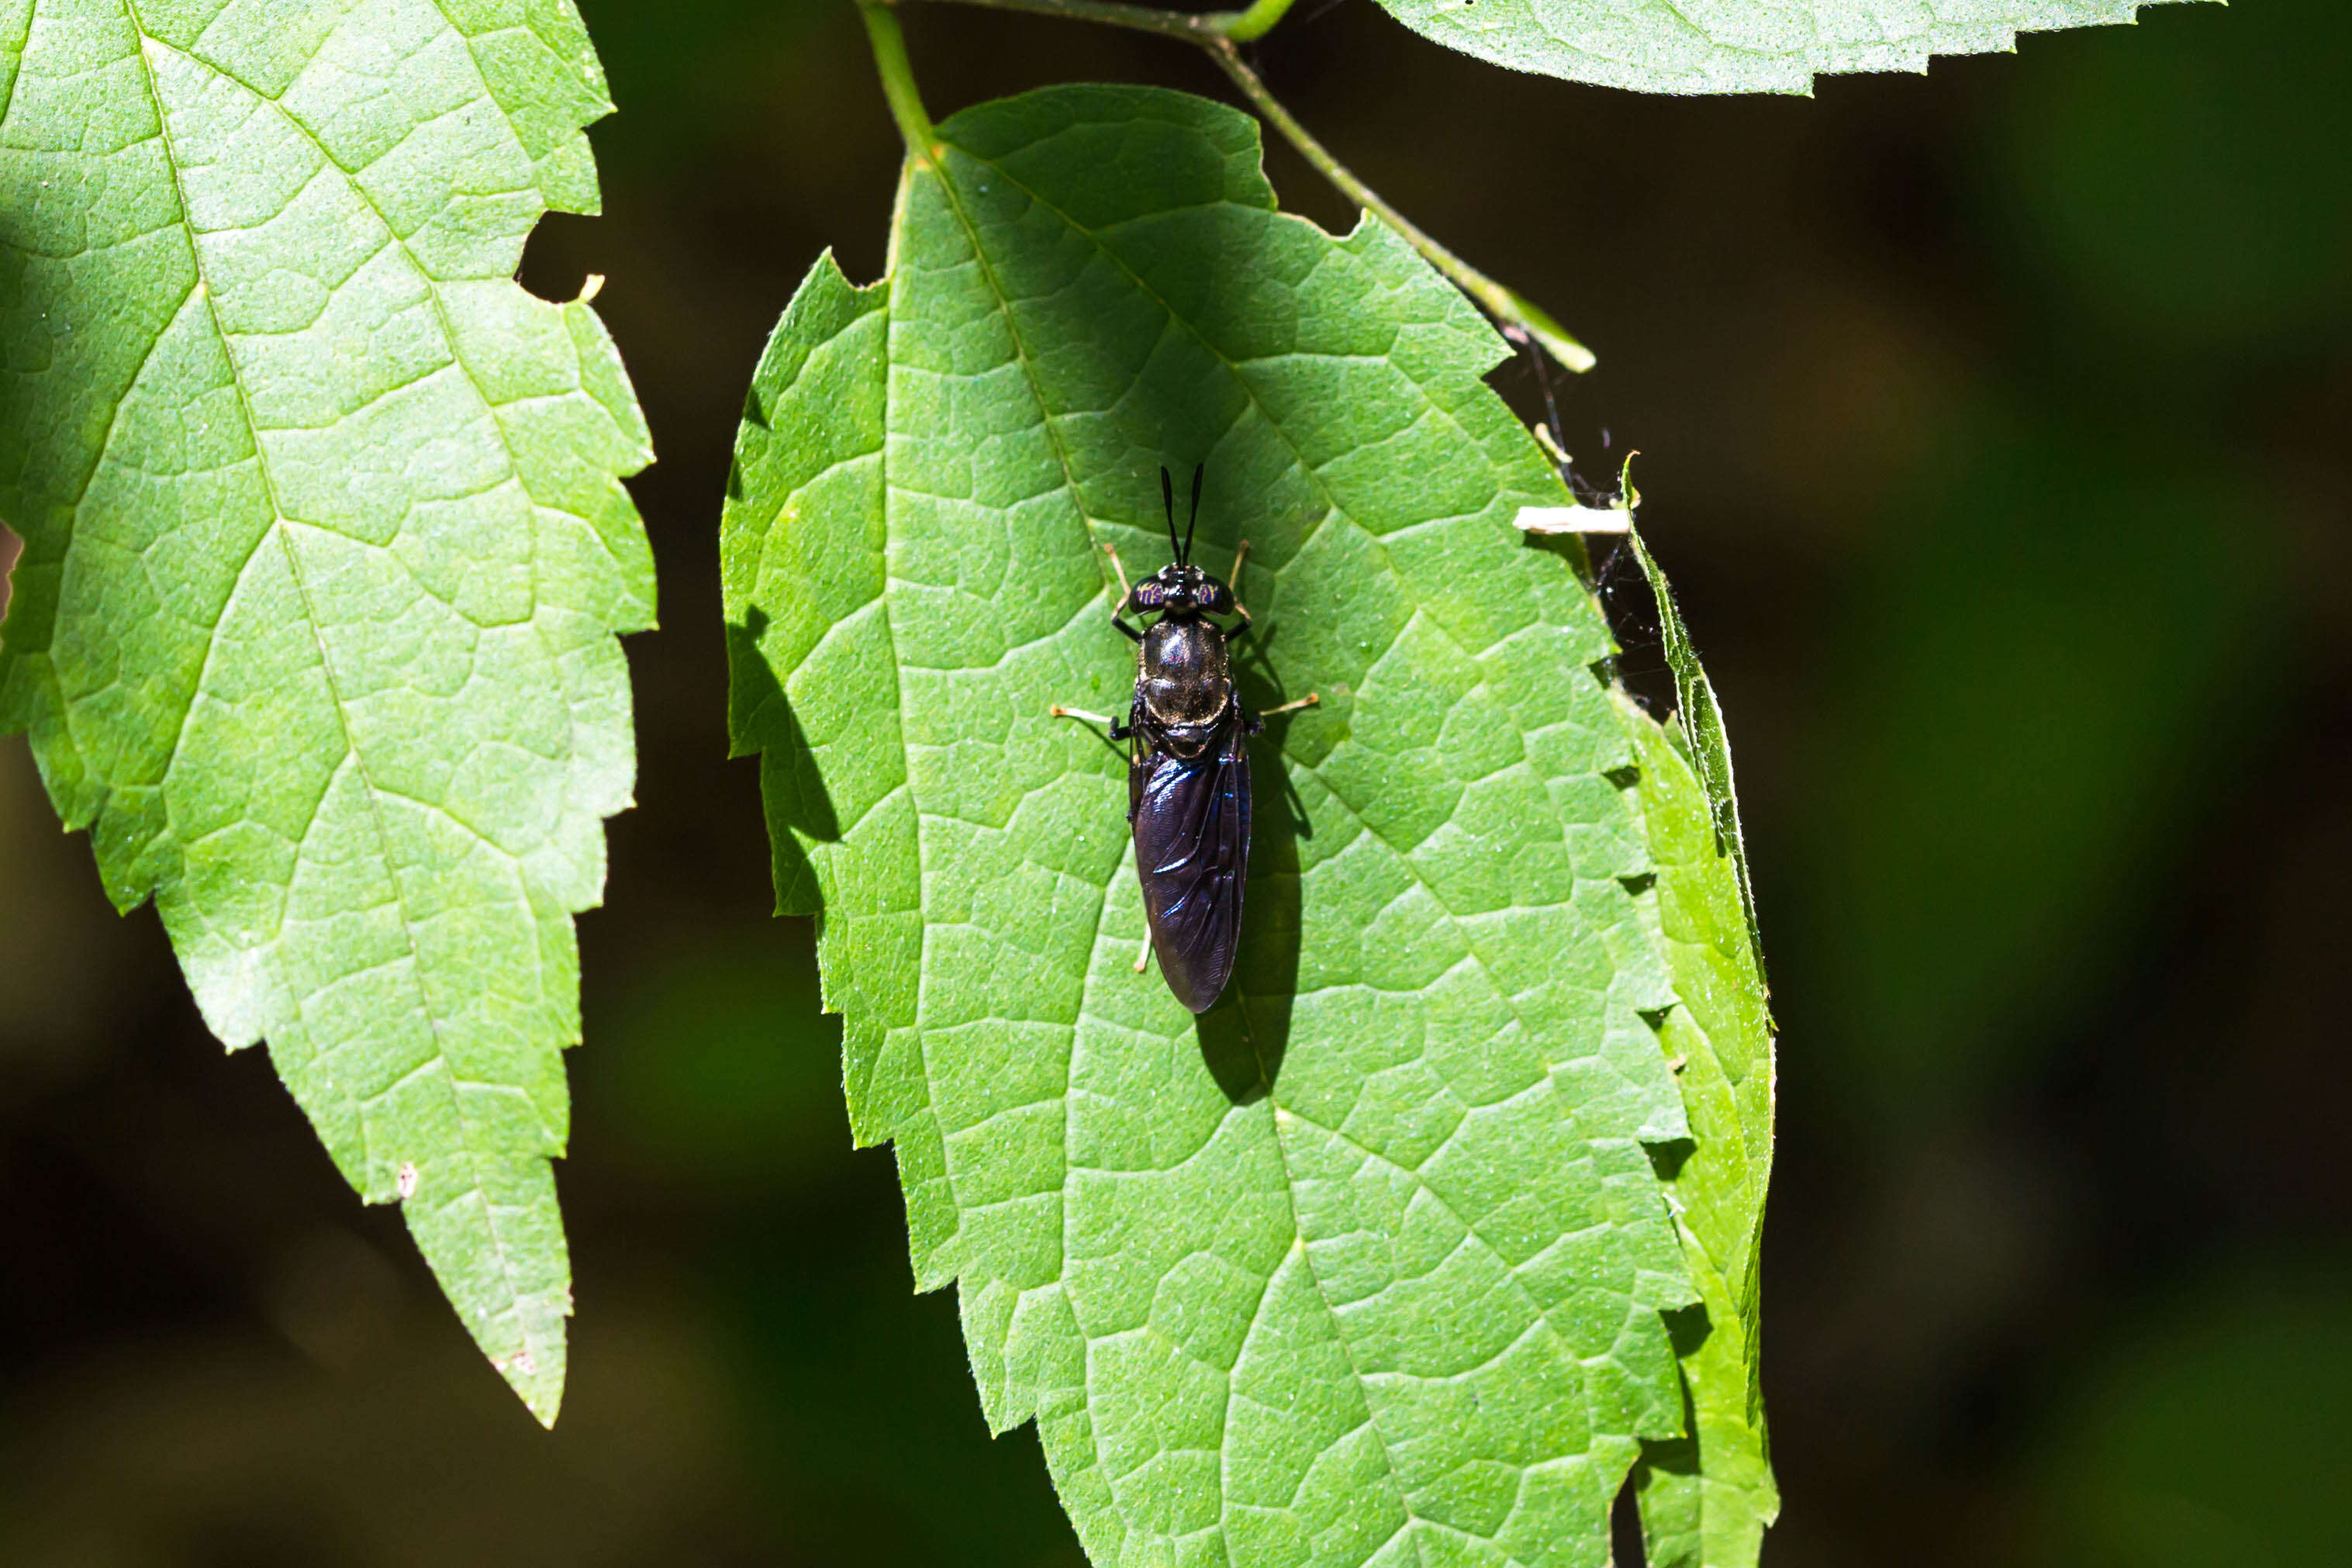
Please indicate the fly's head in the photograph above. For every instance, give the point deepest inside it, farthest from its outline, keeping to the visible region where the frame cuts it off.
(1181, 589)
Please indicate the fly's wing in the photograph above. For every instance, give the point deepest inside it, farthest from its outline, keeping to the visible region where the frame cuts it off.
(1191, 850)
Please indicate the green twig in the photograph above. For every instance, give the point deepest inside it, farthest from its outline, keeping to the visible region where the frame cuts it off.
(1217, 33)
(1245, 26)
(1506, 305)
(898, 80)
(1195, 26)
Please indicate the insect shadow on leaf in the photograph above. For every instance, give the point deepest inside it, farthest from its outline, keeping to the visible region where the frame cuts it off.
(1243, 1037)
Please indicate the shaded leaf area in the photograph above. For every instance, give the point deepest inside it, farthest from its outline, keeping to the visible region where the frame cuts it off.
(1707, 1497)
(1699, 717)
(1736, 46)
(1366, 1264)
(325, 551)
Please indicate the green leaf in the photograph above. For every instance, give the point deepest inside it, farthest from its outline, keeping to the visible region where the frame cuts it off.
(1699, 723)
(1369, 1262)
(1707, 1497)
(325, 551)
(1736, 46)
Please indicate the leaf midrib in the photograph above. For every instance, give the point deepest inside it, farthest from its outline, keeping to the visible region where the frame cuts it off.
(16, 49)
(1069, 479)
(1331, 508)
(279, 522)
(392, 236)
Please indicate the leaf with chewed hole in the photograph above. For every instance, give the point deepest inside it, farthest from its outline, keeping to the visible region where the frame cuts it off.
(1369, 1262)
(1737, 45)
(325, 551)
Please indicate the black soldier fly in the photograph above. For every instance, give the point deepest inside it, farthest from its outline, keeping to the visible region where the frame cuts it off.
(1187, 781)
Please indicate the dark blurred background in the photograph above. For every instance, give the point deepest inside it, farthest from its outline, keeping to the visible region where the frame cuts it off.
(1992, 427)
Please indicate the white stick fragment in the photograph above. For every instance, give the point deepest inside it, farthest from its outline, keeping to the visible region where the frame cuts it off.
(1575, 518)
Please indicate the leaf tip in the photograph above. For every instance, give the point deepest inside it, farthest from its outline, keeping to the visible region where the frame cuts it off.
(537, 1382)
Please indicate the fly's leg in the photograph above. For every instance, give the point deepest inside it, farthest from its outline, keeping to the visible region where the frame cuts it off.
(1240, 555)
(1254, 722)
(1143, 958)
(1125, 593)
(1118, 731)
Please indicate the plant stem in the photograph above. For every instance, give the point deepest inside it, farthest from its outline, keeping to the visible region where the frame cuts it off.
(1197, 26)
(1193, 26)
(1217, 33)
(898, 80)
(1247, 27)
(1507, 306)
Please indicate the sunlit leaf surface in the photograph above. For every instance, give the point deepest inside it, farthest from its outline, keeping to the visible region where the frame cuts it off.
(1736, 46)
(325, 551)
(1707, 1497)
(1369, 1263)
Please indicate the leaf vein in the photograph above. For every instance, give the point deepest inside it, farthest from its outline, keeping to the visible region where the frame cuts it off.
(470, 1135)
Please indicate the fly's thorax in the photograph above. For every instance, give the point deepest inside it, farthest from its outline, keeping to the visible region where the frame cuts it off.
(1181, 672)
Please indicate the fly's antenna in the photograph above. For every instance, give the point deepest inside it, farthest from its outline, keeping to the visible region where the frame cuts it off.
(1168, 497)
(1195, 520)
